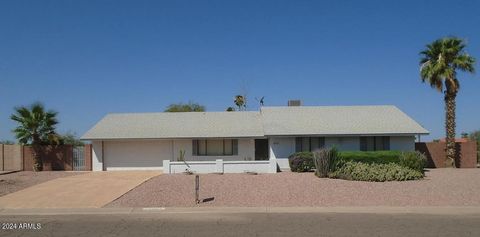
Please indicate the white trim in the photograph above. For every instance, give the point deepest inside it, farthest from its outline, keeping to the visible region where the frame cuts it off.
(220, 166)
(134, 168)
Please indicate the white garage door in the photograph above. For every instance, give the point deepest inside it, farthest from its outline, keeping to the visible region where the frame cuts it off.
(137, 155)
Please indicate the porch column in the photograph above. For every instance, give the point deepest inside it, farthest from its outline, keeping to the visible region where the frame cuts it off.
(271, 154)
(166, 167)
(219, 166)
(272, 159)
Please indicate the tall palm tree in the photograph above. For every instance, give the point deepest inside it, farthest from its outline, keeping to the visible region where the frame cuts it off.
(35, 127)
(439, 64)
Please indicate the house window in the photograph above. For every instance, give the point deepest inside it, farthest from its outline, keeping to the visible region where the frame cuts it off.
(375, 143)
(309, 143)
(215, 147)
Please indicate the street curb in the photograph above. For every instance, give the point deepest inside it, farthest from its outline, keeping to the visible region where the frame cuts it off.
(442, 210)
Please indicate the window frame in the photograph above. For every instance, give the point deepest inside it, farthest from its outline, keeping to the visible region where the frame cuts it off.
(384, 140)
(196, 147)
(300, 140)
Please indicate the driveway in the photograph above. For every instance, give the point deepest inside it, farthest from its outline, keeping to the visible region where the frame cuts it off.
(90, 190)
(16, 181)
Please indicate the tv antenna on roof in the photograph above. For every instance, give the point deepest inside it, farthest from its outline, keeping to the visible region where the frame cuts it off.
(261, 100)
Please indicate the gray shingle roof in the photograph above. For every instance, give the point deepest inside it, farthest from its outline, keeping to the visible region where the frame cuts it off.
(271, 121)
(338, 120)
(177, 125)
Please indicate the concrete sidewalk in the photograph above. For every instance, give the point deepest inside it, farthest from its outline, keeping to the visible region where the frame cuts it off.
(464, 210)
(90, 190)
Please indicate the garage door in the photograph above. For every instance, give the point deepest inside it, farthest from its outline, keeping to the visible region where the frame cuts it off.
(136, 155)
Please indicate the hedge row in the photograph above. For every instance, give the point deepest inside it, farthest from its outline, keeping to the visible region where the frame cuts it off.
(377, 157)
(366, 166)
(303, 161)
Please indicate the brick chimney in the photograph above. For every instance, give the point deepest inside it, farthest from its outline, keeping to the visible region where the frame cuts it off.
(294, 103)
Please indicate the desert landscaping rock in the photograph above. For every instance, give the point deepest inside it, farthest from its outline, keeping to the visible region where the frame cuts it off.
(441, 187)
(13, 182)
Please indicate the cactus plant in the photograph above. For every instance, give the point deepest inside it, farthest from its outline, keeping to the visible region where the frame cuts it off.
(324, 161)
(181, 155)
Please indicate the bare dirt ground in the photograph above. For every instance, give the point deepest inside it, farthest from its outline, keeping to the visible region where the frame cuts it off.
(441, 187)
(13, 182)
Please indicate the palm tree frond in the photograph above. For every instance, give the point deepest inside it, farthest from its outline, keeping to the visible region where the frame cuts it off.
(34, 124)
(440, 60)
(465, 63)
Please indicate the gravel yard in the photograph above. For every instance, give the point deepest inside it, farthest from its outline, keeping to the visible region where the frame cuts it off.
(13, 182)
(441, 187)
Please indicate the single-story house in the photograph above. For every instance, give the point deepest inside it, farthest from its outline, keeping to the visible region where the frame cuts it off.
(259, 141)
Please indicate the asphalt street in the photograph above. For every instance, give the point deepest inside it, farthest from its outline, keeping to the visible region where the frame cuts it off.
(242, 224)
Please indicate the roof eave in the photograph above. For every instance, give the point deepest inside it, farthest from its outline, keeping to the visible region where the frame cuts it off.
(164, 138)
(348, 134)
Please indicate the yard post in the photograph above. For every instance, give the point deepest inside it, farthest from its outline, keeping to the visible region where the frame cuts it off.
(197, 187)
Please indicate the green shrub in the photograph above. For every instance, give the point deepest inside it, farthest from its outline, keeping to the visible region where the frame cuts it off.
(414, 160)
(301, 162)
(359, 171)
(377, 157)
(324, 161)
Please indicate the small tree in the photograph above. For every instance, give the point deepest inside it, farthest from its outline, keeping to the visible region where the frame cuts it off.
(475, 136)
(189, 107)
(36, 127)
(71, 138)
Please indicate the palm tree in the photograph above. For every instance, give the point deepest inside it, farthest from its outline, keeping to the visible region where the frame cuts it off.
(35, 127)
(439, 65)
(240, 102)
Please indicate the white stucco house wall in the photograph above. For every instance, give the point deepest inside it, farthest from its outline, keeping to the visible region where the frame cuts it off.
(234, 142)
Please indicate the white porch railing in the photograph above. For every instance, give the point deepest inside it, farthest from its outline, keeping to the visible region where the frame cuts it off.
(220, 166)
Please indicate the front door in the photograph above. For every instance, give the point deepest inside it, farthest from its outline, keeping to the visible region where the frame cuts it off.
(261, 149)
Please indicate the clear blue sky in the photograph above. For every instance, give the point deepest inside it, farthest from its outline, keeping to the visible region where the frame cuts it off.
(85, 59)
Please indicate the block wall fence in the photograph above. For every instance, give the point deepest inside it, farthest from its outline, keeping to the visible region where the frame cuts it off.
(20, 158)
(466, 156)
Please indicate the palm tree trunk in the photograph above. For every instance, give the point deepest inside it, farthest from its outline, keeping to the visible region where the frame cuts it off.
(36, 155)
(450, 106)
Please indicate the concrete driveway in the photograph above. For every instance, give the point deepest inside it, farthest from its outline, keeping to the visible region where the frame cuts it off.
(89, 190)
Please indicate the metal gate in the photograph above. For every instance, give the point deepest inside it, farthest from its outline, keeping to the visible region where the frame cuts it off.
(79, 158)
